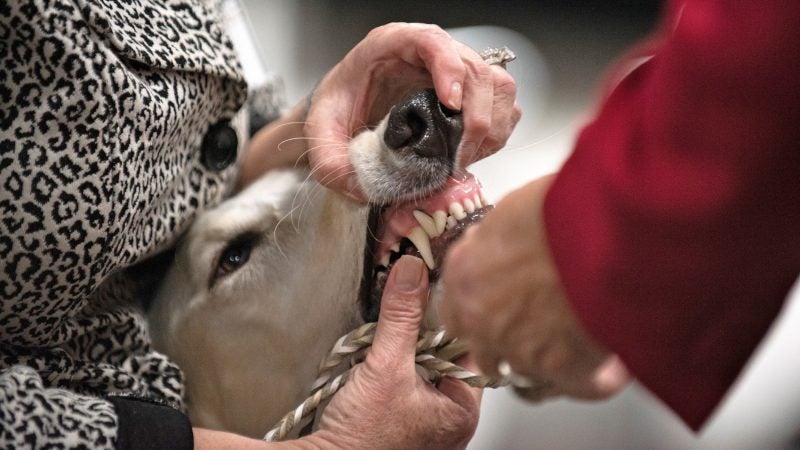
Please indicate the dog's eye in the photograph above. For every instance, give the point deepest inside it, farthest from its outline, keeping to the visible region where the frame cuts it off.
(234, 256)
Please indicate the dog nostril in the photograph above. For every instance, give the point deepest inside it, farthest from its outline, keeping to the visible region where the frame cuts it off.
(423, 126)
(417, 124)
(405, 127)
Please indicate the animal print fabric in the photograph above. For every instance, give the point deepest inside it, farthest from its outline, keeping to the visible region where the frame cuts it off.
(103, 108)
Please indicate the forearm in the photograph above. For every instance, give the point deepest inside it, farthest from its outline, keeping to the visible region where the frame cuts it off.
(279, 144)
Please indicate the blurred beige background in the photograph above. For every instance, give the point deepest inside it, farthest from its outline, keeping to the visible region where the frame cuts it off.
(563, 48)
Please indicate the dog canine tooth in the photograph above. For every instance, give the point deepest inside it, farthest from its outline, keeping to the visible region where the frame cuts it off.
(469, 206)
(385, 260)
(440, 219)
(457, 210)
(484, 202)
(426, 222)
(420, 239)
(395, 248)
(451, 222)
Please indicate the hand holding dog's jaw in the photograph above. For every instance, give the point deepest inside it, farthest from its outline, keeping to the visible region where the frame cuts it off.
(387, 383)
(390, 62)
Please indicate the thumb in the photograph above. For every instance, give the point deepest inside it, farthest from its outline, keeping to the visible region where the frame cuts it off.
(328, 153)
(402, 308)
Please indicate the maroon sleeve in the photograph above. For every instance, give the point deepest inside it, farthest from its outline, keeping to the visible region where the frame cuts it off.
(675, 224)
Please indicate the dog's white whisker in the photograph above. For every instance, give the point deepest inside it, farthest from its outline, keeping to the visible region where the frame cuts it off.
(330, 146)
(303, 138)
(344, 136)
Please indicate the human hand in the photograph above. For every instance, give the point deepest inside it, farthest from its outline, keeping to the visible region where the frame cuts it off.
(503, 297)
(385, 403)
(390, 62)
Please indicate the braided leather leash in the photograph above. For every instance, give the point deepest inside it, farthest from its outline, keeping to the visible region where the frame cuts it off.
(435, 353)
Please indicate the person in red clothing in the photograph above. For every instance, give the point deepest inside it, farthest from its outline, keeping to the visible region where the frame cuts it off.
(669, 240)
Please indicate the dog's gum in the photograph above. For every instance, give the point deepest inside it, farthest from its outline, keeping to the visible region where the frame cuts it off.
(399, 220)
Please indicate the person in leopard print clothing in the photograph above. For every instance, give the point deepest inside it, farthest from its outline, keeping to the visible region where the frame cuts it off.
(119, 121)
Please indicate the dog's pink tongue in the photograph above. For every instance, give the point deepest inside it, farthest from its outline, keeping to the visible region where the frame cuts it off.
(459, 196)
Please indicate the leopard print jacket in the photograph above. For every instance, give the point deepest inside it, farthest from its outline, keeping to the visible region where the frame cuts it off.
(117, 120)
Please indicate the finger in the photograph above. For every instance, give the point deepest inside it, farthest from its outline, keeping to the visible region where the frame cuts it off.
(330, 165)
(440, 55)
(610, 377)
(328, 135)
(459, 392)
(402, 308)
(454, 280)
(486, 360)
(476, 105)
(576, 366)
(506, 113)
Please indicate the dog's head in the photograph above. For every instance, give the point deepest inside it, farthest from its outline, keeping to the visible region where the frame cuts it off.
(264, 284)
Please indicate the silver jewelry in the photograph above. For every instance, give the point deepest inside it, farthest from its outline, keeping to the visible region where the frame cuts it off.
(498, 56)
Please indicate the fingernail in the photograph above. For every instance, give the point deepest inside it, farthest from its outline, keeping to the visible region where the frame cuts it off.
(455, 96)
(611, 376)
(408, 271)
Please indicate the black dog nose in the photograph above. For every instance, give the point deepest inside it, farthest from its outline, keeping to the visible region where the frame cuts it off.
(423, 125)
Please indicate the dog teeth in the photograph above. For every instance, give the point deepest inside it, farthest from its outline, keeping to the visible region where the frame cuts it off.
(420, 239)
(427, 223)
(440, 219)
(385, 260)
(395, 248)
(457, 211)
(451, 222)
(484, 202)
(477, 201)
(469, 206)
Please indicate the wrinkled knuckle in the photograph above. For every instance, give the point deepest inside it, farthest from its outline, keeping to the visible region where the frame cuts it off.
(503, 81)
(482, 72)
(405, 311)
(481, 124)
